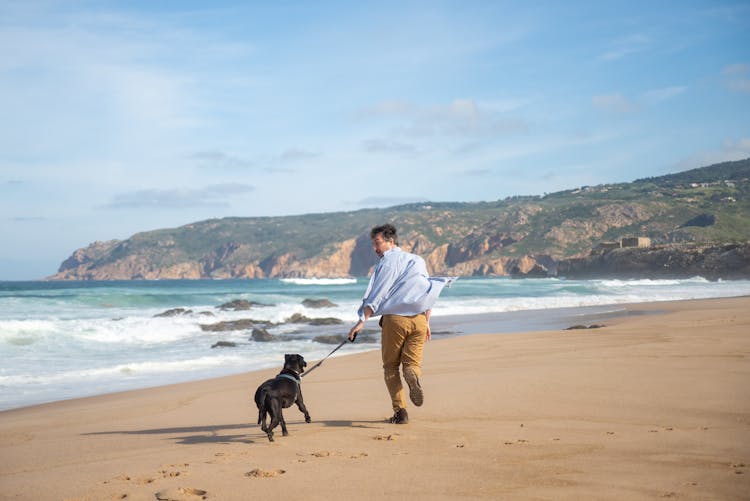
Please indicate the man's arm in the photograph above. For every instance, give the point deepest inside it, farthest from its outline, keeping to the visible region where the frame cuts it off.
(427, 314)
(381, 282)
(358, 326)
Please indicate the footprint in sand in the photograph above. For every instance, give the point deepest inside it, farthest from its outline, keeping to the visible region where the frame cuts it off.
(258, 473)
(181, 494)
(385, 437)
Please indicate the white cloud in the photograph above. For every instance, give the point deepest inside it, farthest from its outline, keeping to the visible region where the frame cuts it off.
(740, 85)
(655, 96)
(736, 69)
(93, 83)
(623, 47)
(298, 155)
(616, 103)
(389, 146)
(461, 117)
(220, 160)
(730, 150)
(213, 196)
(737, 77)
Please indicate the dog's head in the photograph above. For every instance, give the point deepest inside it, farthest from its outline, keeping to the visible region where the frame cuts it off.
(295, 362)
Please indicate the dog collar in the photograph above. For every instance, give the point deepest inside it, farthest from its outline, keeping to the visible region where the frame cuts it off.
(287, 376)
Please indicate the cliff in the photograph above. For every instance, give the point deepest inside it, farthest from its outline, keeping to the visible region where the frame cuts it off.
(726, 261)
(682, 213)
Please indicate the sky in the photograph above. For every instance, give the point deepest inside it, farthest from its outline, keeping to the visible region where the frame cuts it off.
(121, 117)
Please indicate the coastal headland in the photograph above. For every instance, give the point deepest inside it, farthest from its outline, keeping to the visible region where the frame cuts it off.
(693, 223)
(646, 406)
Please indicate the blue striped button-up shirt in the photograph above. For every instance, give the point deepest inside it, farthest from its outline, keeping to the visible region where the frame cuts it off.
(400, 285)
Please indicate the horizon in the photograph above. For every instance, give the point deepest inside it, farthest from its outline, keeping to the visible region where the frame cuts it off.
(125, 118)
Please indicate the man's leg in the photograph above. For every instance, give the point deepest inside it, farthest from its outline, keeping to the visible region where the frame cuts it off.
(395, 329)
(411, 357)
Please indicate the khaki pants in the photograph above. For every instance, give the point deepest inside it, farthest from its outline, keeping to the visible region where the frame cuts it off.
(402, 342)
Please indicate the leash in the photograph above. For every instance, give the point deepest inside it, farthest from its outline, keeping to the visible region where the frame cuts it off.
(308, 371)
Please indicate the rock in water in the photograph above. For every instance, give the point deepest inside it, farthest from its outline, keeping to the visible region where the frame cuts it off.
(224, 344)
(173, 312)
(318, 303)
(262, 336)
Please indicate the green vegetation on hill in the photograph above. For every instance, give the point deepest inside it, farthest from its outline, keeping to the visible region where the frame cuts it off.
(709, 204)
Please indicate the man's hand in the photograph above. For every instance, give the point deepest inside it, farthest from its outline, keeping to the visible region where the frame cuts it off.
(355, 330)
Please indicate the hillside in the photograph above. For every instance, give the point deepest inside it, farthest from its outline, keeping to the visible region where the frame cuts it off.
(514, 236)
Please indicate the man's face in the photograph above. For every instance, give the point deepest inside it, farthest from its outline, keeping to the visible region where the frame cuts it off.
(380, 246)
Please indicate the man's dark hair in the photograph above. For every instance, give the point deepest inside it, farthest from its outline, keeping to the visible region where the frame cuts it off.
(387, 231)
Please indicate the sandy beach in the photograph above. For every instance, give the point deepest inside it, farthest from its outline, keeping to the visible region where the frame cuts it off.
(648, 406)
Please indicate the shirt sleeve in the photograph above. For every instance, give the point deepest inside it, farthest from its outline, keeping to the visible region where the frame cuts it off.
(383, 279)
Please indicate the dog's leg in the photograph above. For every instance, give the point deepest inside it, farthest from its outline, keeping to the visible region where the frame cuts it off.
(276, 417)
(263, 411)
(301, 406)
(262, 419)
(283, 423)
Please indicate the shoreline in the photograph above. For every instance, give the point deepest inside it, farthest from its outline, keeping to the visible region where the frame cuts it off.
(444, 327)
(654, 405)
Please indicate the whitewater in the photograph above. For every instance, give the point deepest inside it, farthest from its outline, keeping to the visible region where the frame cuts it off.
(61, 340)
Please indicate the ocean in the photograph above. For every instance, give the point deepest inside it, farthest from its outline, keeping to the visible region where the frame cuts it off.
(61, 340)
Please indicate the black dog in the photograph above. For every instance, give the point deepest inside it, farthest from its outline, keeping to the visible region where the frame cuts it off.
(281, 392)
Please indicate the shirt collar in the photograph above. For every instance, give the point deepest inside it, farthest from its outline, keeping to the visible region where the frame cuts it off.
(392, 249)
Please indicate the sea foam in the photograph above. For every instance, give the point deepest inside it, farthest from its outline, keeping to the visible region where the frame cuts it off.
(64, 340)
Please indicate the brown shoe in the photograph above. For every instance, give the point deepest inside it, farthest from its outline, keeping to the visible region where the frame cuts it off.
(400, 417)
(415, 389)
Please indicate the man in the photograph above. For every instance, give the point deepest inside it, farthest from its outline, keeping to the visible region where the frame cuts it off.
(401, 291)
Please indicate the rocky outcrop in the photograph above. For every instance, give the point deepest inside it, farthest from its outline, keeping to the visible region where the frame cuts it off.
(729, 261)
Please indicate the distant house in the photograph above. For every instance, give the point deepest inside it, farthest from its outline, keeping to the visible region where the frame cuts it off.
(607, 246)
(641, 242)
(636, 242)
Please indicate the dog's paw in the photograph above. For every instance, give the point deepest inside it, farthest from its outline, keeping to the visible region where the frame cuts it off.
(307, 418)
